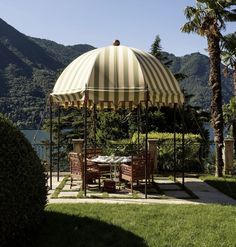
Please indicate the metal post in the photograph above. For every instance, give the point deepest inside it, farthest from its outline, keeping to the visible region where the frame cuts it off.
(138, 124)
(94, 127)
(174, 142)
(146, 141)
(58, 143)
(183, 147)
(85, 143)
(50, 141)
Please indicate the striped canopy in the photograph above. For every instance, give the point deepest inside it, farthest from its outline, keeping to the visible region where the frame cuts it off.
(116, 76)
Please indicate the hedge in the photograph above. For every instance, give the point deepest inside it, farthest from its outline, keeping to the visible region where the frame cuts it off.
(22, 186)
(165, 145)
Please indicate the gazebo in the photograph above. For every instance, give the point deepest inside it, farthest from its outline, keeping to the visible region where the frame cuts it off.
(115, 77)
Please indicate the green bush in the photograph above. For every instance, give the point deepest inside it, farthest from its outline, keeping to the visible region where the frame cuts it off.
(22, 186)
(122, 147)
(166, 136)
(165, 145)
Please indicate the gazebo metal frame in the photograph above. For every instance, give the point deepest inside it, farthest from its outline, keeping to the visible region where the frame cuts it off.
(143, 58)
(85, 108)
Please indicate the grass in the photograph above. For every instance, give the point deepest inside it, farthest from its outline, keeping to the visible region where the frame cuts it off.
(99, 194)
(137, 225)
(59, 187)
(227, 185)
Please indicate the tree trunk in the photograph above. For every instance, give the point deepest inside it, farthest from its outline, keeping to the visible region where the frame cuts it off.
(216, 101)
(234, 135)
(234, 123)
(234, 80)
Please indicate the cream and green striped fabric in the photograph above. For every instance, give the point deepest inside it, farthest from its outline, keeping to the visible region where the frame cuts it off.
(116, 76)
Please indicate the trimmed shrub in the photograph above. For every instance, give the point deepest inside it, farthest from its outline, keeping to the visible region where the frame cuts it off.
(165, 145)
(166, 136)
(122, 147)
(22, 186)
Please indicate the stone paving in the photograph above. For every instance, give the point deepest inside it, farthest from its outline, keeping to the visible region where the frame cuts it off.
(165, 191)
(206, 193)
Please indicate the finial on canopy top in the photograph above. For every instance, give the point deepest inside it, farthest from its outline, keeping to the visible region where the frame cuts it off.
(116, 42)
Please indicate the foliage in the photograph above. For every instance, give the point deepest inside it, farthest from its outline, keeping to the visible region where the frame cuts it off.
(71, 126)
(167, 136)
(64, 54)
(29, 68)
(156, 51)
(137, 225)
(123, 147)
(22, 185)
(230, 113)
(196, 68)
(60, 187)
(229, 50)
(207, 14)
(111, 126)
(208, 19)
(165, 146)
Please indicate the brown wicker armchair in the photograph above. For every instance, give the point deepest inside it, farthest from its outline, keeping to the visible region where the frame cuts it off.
(136, 170)
(104, 169)
(92, 152)
(77, 169)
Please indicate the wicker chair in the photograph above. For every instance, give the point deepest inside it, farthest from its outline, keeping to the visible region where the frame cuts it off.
(136, 170)
(104, 169)
(77, 169)
(92, 152)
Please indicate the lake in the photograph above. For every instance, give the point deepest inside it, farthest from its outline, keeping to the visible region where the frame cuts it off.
(36, 136)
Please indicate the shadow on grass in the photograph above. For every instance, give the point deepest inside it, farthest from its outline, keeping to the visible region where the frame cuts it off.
(66, 230)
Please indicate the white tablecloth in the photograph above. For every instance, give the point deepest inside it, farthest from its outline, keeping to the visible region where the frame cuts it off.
(112, 159)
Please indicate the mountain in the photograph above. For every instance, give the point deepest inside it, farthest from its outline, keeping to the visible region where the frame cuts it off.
(18, 48)
(196, 68)
(64, 54)
(30, 66)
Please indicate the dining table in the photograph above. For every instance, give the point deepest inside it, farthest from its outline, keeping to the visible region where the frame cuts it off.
(114, 162)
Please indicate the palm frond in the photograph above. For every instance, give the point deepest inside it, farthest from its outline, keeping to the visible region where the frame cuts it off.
(229, 42)
(188, 27)
(189, 12)
(230, 17)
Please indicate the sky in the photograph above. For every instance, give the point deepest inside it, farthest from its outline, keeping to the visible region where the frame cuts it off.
(98, 22)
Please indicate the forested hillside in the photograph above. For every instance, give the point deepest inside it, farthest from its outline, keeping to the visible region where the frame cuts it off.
(196, 67)
(30, 66)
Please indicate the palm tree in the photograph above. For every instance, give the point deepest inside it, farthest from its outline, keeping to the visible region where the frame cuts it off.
(229, 55)
(208, 19)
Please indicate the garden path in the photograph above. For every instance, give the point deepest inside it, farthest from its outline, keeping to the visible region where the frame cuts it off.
(171, 193)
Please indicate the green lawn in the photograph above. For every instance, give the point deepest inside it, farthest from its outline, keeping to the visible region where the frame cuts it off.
(137, 225)
(227, 185)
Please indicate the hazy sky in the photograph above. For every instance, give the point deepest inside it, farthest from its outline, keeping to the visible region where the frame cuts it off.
(98, 22)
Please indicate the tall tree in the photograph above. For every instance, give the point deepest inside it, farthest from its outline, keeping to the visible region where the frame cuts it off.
(207, 19)
(229, 59)
(229, 111)
(156, 51)
(229, 55)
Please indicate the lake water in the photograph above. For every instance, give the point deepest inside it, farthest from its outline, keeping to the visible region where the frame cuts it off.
(36, 136)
